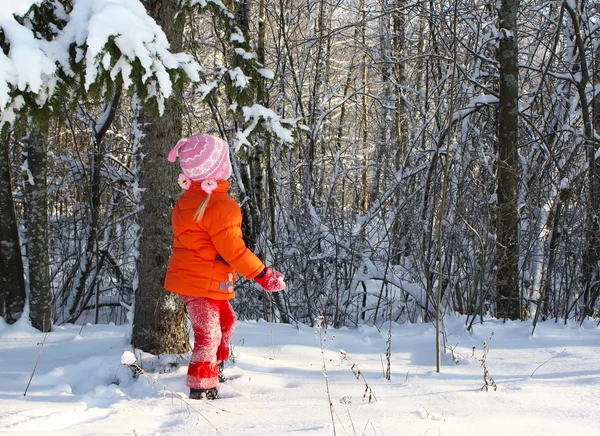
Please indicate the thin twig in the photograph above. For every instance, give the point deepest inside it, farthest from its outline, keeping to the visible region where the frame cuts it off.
(488, 380)
(36, 363)
(322, 336)
(359, 375)
(556, 355)
(271, 326)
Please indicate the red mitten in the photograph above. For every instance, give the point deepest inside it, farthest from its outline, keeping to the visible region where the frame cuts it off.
(222, 353)
(270, 280)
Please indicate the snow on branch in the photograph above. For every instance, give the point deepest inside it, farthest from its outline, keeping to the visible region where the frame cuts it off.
(124, 23)
(99, 30)
(204, 4)
(475, 103)
(258, 114)
(241, 75)
(26, 66)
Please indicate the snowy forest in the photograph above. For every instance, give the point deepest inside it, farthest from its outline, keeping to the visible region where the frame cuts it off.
(396, 159)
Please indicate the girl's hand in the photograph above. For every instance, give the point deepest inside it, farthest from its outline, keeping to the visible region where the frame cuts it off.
(270, 280)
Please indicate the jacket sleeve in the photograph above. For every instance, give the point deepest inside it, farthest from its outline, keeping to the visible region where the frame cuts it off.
(224, 225)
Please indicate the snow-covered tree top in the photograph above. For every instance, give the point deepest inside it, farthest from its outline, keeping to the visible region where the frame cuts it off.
(26, 65)
(98, 29)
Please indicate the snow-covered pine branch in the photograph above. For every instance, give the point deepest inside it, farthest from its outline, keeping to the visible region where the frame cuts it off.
(256, 114)
(240, 77)
(101, 38)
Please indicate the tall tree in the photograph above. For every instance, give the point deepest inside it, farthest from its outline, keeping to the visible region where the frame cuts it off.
(36, 207)
(507, 275)
(582, 74)
(160, 324)
(12, 282)
(252, 159)
(594, 293)
(26, 65)
(395, 78)
(49, 62)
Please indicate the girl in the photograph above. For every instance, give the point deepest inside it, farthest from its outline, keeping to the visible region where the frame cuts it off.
(208, 250)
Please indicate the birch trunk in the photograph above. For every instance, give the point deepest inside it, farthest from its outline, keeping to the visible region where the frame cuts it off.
(40, 295)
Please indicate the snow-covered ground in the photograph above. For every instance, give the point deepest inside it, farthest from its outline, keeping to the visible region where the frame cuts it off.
(277, 384)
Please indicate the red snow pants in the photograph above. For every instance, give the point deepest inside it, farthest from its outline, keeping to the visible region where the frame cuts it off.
(213, 322)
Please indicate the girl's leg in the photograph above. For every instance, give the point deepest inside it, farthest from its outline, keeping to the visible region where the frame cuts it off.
(203, 372)
(228, 318)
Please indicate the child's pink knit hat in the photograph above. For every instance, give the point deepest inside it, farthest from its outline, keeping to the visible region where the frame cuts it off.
(203, 157)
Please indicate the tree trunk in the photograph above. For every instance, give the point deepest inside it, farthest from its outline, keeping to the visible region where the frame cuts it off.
(592, 252)
(311, 175)
(399, 135)
(40, 295)
(591, 297)
(399, 125)
(12, 281)
(507, 275)
(270, 197)
(160, 324)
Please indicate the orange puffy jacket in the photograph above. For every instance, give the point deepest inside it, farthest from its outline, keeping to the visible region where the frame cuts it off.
(207, 254)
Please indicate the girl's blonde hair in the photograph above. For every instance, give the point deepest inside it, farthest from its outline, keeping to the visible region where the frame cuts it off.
(201, 209)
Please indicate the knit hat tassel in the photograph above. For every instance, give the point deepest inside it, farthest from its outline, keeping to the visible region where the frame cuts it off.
(174, 151)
